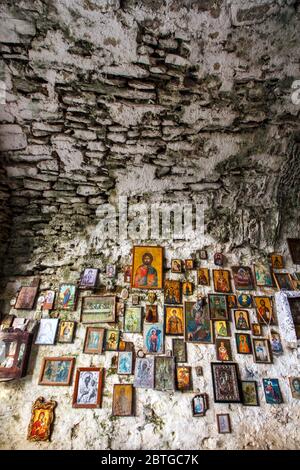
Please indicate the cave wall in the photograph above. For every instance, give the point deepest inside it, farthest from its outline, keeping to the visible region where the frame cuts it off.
(161, 102)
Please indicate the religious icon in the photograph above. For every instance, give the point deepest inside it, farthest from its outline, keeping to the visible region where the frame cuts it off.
(219, 259)
(94, 339)
(47, 331)
(135, 299)
(125, 362)
(112, 338)
(223, 421)
(221, 280)
(294, 248)
(203, 277)
(199, 405)
(261, 351)
(173, 320)
(197, 324)
(283, 281)
(49, 298)
(6, 321)
(256, 329)
(133, 320)
(66, 331)
(225, 382)
(245, 300)
(241, 319)
(183, 378)
(187, 288)
(272, 391)
(202, 254)
(26, 298)
(243, 343)
(151, 314)
(42, 416)
(176, 266)
(294, 304)
(144, 372)
(231, 301)
(263, 277)
(127, 273)
(276, 344)
(242, 276)
(122, 400)
(164, 373)
(67, 296)
(89, 278)
(88, 387)
(264, 309)
(223, 349)
(249, 392)
(151, 297)
(189, 264)
(295, 387)
(15, 346)
(221, 328)
(172, 292)
(56, 371)
(98, 309)
(179, 350)
(147, 267)
(276, 261)
(153, 338)
(218, 306)
(111, 271)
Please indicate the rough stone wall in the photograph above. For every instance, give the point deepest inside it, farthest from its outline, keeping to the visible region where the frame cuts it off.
(161, 101)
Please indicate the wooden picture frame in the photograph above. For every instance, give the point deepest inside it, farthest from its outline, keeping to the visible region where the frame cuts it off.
(26, 298)
(112, 339)
(183, 378)
(223, 350)
(164, 373)
(242, 277)
(256, 329)
(64, 375)
(243, 343)
(222, 283)
(147, 267)
(151, 314)
(153, 338)
(67, 297)
(98, 309)
(283, 281)
(174, 320)
(276, 261)
(176, 265)
(172, 292)
(47, 331)
(261, 351)
(41, 421)
(249, 393)
(203, 277)
(231, 301)
(189, 264)
(264, 309)
(272, 391)
(125, 363)
(133, 319)
(15, 352)
(123, 397)
(241, 319)
(262, 275)
(94, 340)
(199, 405)
(222, 328)
(179, 350)
(144, 372)
(218, 308)
(193, 334)
(89, 278)
(66, 331)
(223, 422)
(88, 387)
(226, 384)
